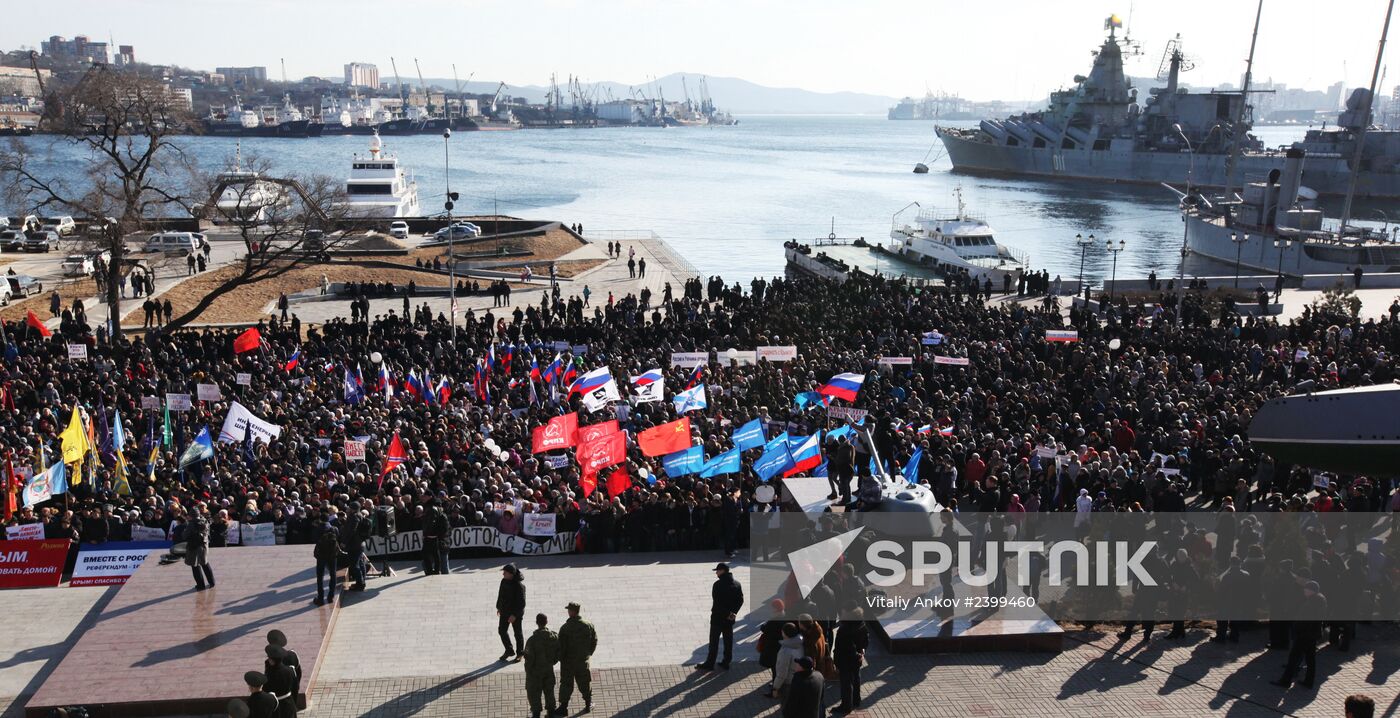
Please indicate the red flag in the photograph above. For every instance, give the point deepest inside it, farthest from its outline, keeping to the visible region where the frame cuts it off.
(665, 439)
(589, 484)
(396, 456)
(596, 431)
(9, 499)
(601, 453)
(247, 341)
(618, 482)
(35, 322)
(560, 433)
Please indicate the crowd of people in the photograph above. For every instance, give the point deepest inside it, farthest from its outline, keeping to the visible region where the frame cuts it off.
(1150, 412)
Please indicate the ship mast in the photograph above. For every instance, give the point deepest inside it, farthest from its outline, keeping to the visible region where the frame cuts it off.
(1365, 123)
(1234, 161)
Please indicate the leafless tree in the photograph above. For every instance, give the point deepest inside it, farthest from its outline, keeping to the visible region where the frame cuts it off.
(283, 223)
(128, 125)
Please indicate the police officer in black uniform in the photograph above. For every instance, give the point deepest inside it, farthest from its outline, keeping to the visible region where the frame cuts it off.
(261, 704)
(289, 657)
(281, 682)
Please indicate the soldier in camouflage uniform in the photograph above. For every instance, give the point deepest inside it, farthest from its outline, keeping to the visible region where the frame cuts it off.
(577, 641)
(541, 653)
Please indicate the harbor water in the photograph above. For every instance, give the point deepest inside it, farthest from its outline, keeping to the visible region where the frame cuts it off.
(726, 198)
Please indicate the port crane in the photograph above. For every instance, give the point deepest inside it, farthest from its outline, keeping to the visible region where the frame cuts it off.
(461, 109)
(403, 99)
(496, 97)
(427, 98)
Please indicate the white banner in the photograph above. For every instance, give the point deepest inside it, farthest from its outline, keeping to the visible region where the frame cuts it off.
(112, 563)
(689, 360)
(776, 353)
(77, 351)
(556, 462)
(146, 533)
(953, 361)
(239, 421)
(260, 534)
(207, 392)
(150, 402)
(743, 357)
(178, 402)
(540, 524)
(25, 532)
(354, 450)
(243, 378)
(1061, 335)
(893, 361)
(474, 537)
(235, 533)
(846, 412)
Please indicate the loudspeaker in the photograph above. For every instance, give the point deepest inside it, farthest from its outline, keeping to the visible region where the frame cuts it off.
(384, 526)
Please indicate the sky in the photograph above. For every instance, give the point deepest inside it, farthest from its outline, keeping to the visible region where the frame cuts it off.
(1011, 49)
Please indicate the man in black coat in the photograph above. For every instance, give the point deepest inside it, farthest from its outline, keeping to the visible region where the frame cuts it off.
(804, 698)
(726, 598)
(852, 638)
(1303, 646)
(436, 535)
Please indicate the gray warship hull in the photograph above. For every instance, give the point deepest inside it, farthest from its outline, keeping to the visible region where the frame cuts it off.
(1326, 175)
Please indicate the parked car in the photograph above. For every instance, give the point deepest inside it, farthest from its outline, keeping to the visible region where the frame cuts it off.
(23, 285)
(398, 230)
(314, 240)
(11, 240)
(459, 230)
(44, 240)
(78, 265)
(63, 226)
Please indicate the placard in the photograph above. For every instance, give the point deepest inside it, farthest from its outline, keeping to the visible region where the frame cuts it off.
(897, 361)
(411, 542)
(540, 524)
(25, 532)
(150, 402)
(1322, 481)
(243, 378)
(1061, 335)
(147, 533)
(354, 450)
(561, 346)
(953, 361)
(579, 349)
(178, 402)
(77, 351)
(777, 353)
(1300, 355)
(32, 564)
(689, 360)
(743, 357)
(207, 392)
(556, 462)
(260, 534)
(113, 562)
(846, 412)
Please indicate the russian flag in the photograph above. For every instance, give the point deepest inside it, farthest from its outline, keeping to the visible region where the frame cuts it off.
(293, 360)
(592, 380)
(510, 355)
(534, 369)
(493, 363)
(647, 377)
(843, 386)
(386, 382)
(413, 385)
(696, 376)
(444, 391)
(945, 431)
(806, 452)
(553, 370)
(570, 372)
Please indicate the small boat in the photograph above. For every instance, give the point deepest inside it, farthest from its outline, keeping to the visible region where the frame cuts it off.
(245, 195)
(920, 169)
(955, 239)
(379, 187)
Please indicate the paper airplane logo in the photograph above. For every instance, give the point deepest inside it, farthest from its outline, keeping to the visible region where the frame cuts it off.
(811, 564)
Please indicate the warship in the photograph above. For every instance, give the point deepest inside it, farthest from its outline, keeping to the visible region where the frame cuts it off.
(1098, 130)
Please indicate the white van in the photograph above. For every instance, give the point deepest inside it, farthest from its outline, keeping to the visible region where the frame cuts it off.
(174, 242)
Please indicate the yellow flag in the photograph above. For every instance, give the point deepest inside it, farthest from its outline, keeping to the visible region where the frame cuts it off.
(75, 444)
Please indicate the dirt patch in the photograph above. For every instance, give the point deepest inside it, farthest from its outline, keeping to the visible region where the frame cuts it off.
(85, 288)
(251, 302)
(376, 242)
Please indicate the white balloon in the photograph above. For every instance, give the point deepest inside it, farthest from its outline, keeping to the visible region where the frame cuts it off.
(643, 472)
(732, 354)
(376, 357)
(505, 456)
(763, 494)
(1114, 343)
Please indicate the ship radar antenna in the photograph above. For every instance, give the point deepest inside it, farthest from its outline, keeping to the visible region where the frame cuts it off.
(375, 144)
(961, 207)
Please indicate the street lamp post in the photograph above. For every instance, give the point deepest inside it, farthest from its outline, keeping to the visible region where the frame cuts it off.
(1282, 245)
(451, 234)
(1113, 277)
(1083, 243)
(1239, 241)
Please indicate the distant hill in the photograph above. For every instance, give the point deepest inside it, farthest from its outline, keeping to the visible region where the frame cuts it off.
(729, 94)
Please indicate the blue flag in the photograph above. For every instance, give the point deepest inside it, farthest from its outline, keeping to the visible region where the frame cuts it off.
(201, 449)
(683, 463)
(748, 436)
(774, 461)
(726, 463)
(911, 469)
(690, 399)
(805, 398)
(354, 390)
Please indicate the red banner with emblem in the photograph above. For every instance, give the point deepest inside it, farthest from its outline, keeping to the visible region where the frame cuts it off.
(560, 433)
(32, 564)
(596, 431)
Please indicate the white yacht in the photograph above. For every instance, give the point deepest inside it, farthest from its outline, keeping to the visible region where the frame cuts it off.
(246, 196)
(957, 239)
(379, 187)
